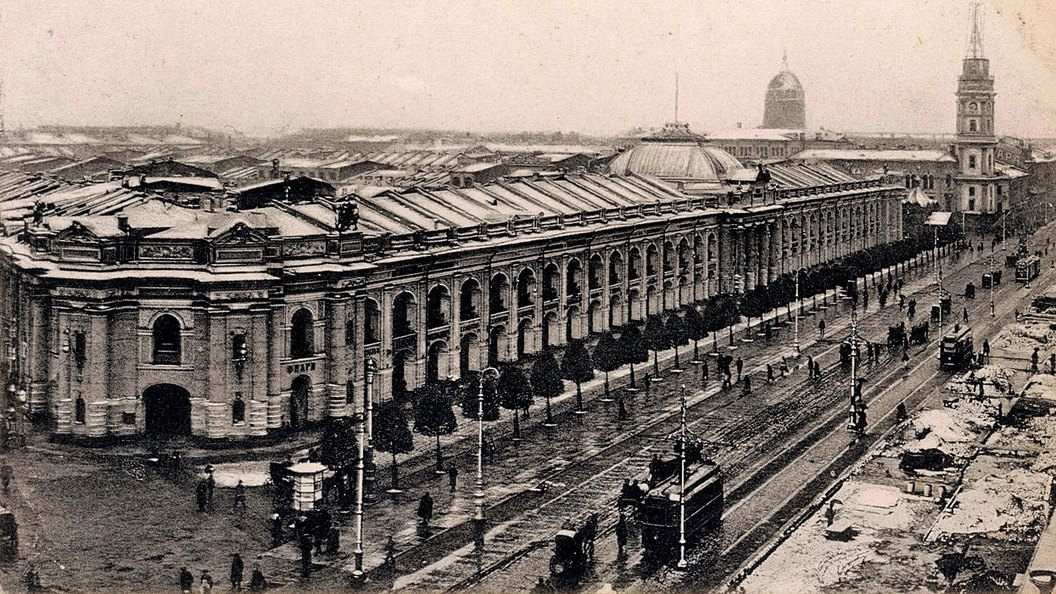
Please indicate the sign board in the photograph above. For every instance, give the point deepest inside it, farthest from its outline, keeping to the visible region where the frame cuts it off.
(938, 218)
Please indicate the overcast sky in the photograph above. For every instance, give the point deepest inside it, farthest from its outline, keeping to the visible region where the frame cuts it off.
(564, 65)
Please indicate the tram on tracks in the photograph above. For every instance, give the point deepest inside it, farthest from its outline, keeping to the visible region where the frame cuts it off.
(956, 351)
(1028, 269)
(659, 513)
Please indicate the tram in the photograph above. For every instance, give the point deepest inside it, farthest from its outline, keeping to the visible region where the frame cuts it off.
(956, 350)
(658, 509)
(1028, 269)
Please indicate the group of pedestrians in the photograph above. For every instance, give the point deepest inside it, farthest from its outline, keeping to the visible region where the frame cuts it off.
(257, 583)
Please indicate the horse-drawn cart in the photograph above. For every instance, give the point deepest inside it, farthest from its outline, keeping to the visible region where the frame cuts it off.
(573, 550)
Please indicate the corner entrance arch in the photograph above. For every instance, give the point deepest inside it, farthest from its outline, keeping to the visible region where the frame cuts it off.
(168, 410)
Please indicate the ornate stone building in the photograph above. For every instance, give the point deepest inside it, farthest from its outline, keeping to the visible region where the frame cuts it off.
(165, 319)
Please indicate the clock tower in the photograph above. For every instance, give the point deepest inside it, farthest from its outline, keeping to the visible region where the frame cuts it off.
(978, 184)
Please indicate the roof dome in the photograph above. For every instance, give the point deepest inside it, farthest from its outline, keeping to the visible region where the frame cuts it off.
(675, 160)
(785, 81)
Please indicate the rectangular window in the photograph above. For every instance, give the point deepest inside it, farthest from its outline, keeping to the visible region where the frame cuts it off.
(971, 190)
(971, 204)
(971, 161)
(972, 126)
(128, 418)
(1000, 190)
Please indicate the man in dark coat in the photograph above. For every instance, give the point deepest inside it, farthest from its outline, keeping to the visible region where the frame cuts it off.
(425, 510)
(257, 583)
(240, 495)
(306, 554)
(237, 567)
(186, 580)
(740, 367)
(210, 483)
(452, 476)
(201, 493)
(621, 536)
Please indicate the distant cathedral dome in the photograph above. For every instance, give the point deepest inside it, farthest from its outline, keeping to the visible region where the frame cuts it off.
(675, 154)
(786, 105)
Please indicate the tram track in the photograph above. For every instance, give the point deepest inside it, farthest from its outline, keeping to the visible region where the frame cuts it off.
(627, 453)
(756, 477)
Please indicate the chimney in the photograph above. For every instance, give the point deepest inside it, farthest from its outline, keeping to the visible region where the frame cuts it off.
(122, 222)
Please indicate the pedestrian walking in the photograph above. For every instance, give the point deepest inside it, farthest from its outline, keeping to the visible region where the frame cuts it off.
(647, 384)
(830, 513)
(257, 583)
(622, 413)
(986, 349)
(769, 373)
(1034, 360)
(747, 388)
(704, 371)
(817, 369)
(240, 495)
(727, 380)
(276, 530)
(810, 367)
(821, 330)
(784, 367)
(306, 554)
(740, 367)
(768, 331)
(32, 579)
(901, 302)
(868, 350)
(210, 482)
(865, 300)
(201, 492)
(965, 315)
(900, 412)
(237, 568)
(621, 536)
(333, 541)
(6, 474)
(452, 476)
(205, 583)
(186, 581)
(425, 510)
(390, 555)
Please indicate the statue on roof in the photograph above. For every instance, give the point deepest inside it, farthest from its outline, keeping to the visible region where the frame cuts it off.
(347, 216)
(38, 212)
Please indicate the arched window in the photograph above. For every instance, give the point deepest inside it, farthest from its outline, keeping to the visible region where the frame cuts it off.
(301, 335)
(166, 341)
(238, 411)
(79, 411)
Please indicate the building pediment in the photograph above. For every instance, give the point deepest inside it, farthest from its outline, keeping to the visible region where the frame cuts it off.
(77, 233)
(240, 234)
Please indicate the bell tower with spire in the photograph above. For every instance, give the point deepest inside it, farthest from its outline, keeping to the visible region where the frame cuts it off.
(974, 148)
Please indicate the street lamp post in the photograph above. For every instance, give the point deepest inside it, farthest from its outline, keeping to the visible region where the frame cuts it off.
(361, 438)
(854, 363)
(478, 496)
(370, 474)
(992, 314)
(795, 328)
(682, 480)
(938, 272)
